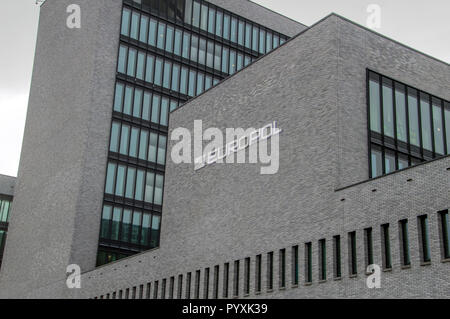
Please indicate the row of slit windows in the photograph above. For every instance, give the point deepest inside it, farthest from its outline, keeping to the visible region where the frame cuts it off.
(407, 126)
(206, 17)
(187, 45)
(138, 143)
(130, 226)
(167, 74)
(193, 280)
(125, 181)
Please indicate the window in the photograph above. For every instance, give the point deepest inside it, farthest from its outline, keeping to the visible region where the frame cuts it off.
(413, 108)
(369, 246)
(386, 246)
(374, 93)
(255, 39)
(169, 39)
(233, 29)
(424, 239)
(226, 26)
(216, 282)
(262, 38)
(426, 121)
(131, 68)
(178, 42)
(447, 125)
(152, 36)
(219, 27)
(353, 261)
(376, 161)
(121, 65)
(211, 20)
(438, 127)
(282, 266)
(143, 34)
(308, 263)
(186, 45)
(445, 238)
(388, 108)
(134, 25)
(206, 284)
(204, 18)
(158, 71)
(161, 40)
(175, 77)
(225, 60)
(400, 106)
(270, 271)
(155, 290)
(248, 35)
(106, 218)
(125, 29)
(404, 243)
(163, 289)
(196, 14)
(131, 178)
(295, 265)
(337, 257)
(180, 286)
(258, 273)
(188, 12)
(188, 286)
(236, 279)
(322, 260)
(226, 273)
(167, 74)
(137, 106)
(247, 276)
(406, 125)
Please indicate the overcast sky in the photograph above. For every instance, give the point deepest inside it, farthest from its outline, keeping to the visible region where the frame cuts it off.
(423, 25)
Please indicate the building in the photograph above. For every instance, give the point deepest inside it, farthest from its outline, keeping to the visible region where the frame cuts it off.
(6, 197)
(363, 166)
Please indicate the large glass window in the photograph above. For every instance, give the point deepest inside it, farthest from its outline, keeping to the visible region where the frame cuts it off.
(406, 126)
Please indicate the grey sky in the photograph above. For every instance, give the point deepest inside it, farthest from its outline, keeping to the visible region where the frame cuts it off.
(423, 25)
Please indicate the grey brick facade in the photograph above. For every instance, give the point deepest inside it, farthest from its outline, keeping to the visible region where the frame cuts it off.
(315, 87)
